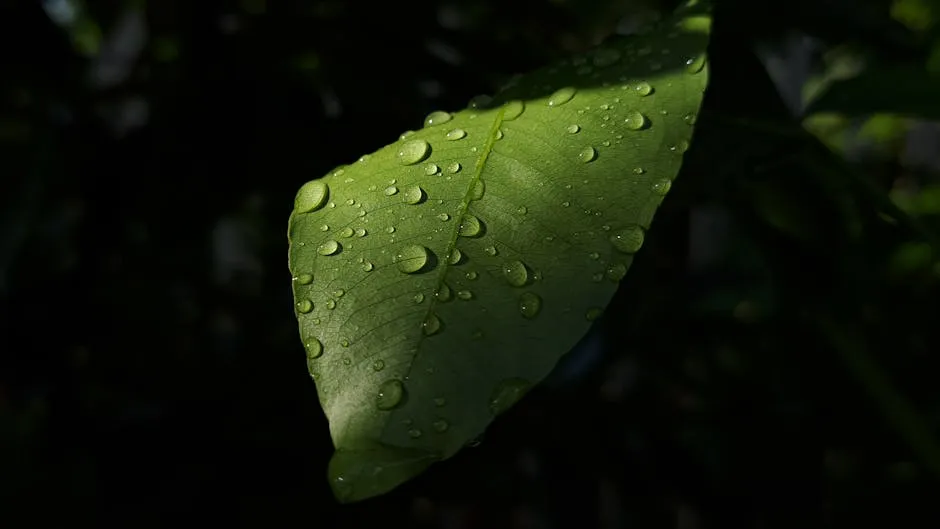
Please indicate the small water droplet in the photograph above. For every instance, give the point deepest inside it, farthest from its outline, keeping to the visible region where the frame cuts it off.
(390, 190)
(562, 96)
(480, 102)
(516, 273)
(453, 167)
(643, 88)
(454, 256)
(470, 226)
(304, 279)
(391, 394)
(597, 278)
(465, 295)
(616, 272)
(414, 433)
(314, 348)
(635, 120)
(507, 393)
(436, 118)
(347, 232)
(431, 169)
(413, 151)
(689, 118)
(593, 314)
(304, 306)
(412, 258)
(662, 186)
(513, 110)
(499, 134)
(456, 134)
(344, 342)
(628, 240)
(440, 425)
(367, 266)
(573, 128)
(330, 304)
(378, 365)
(443, 293)
(418, 298)
(361, 232)
(413, 194)
(638, 170)
(390, 229)
(588, 154)
(530, 304)
(594, 255)
(431, 325)
(478, 189)
(680, 147)
(522, 210)
(339, 293)
(325, 227)
(444, 217)
(330, 247)
(471, 275)
(695, 64)
(311, 196)
(347, 362)
(490, 250)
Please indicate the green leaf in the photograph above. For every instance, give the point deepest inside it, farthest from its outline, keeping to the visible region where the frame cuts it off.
(904, 89)
(439, 278)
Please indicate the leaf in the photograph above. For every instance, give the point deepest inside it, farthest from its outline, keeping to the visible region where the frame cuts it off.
(904, 89)
(437, 279)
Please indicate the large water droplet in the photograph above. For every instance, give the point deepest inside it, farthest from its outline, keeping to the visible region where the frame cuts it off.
(431, 325)
(436, 118)
(413, 194)
(478, 189)
(513, 110)
(562, 96)
(304, 279)
(413, 151)
(412, 258)
(635, 120)
(391, 394)
(587, 154)
(643, 89)
(456, 134)
(470, 226)
(330, 247)
(507, 393)
(304, 306)
(314, 348)
(530, 304)
(628, 240)
(605, 57)
(516, 273)
(311, 196)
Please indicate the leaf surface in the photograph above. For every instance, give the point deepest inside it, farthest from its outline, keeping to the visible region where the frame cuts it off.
(439, 278)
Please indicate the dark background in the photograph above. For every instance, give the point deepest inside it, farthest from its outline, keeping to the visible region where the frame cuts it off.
(770, 360)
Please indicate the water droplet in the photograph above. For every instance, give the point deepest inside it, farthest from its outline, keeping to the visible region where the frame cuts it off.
(431, 169)
(530, 304)
(597, 278)
(456, 134)
(588, 154)
(314, 348)
(413, 151)
(643, 89)
(443, 293)
(471, 275)
(522, 210)
(507, 393)
(378, 365)
(347, 232)
(573, 128)
(304, 279)
(470, 227)
(367, 266)
(480, 102)
(304, 306)
(414, 433)
(565, 204)
(638, 170)
(390, 229)
(344, 342)
(418, 298)
(661, 187)
(431, 325)
(562, 96)
(499, 134)
(635, 120)
(325, 227)
(453, 167)
(465, 295)
(391, 394)
(513, 110)
(347, 362)
(454, 256)
(361, 232)
(406, 134)
(695, 64)
(436, 118)
(412, 258)
(478, 189)
(440, 402)
(616, 272)
(680, 147)
(594, 255)
(390, 190)
(516, 273)
(606, 57)
(330, 247)
(444, 217)
(339, 293)
(440, 425)
(593, 314)
(628, 240)
(413, 194)
(490, 250)
(311, 196)
(331, 304)
(689, 118)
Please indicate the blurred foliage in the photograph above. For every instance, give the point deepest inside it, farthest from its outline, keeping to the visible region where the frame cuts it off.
(770, 361)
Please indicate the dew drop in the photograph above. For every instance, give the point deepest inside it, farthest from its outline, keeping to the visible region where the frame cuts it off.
(378, 365)
(330, 304)
(347, 232)
(418, 298)
(325, 227)
(347, 362)
(311, 196)
(680, 147)
(573, 129)
(522, 210)
(390, 229)
(436, 118)
(530, 304)
(480, 102)
(414, 433)
(339, 293)
(588, 154)
(593, 314)
(390, 190)
(431, 325)
(431, 169)
(453, 167)
(456, 134)
(513, 110)
(635, 120)
(413, 151)
(661, 187)
(330, 247)
(367, 266)
(440, 426)
(499, 134)
(413, 194)
(391, 394)
(444, 217)
(344, 342)
(406, 134)
(304, 279)
(507, 393)
(443, 293)
(490, 250)
(440, 402)
(628, 240)
(470, 227)
(361, 232)
(478, 189)
(562, 96)
(638, 170)
(314, 348)
(465, 295)
(516, 273)
(471, 275)
(454, 256)
(689, 118)
(412, 258)
(304, 306)
(643, 89)
(695, 64)
(616, 272)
